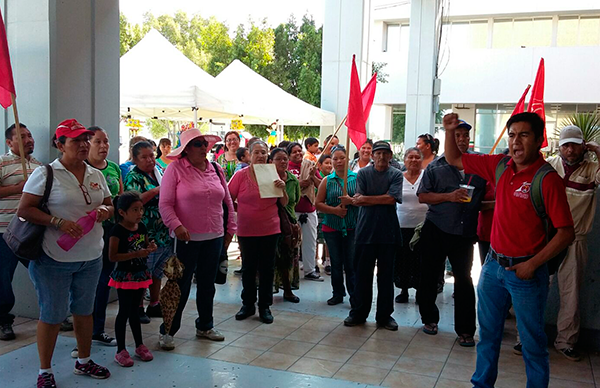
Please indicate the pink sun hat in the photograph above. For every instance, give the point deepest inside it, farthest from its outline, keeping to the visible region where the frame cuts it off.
(190, 135)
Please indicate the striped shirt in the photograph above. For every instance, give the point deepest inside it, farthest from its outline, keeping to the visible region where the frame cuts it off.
(334, 192)
(11, 173)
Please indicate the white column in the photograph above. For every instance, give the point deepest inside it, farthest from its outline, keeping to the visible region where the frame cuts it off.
(65, 59)
(346, 32)
(422, 59)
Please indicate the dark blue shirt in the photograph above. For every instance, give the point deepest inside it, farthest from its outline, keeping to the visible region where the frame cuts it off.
(452, 217)
(378, 224)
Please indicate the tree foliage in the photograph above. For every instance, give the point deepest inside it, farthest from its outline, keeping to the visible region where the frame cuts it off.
(288, 55)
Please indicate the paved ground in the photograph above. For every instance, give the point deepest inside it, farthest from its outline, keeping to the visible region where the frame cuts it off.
(306, 346)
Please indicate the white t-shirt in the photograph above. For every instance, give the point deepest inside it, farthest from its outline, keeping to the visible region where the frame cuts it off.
(410, 211)
(67, 201)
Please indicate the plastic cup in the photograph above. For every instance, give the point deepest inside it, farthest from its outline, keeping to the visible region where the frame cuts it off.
(470, 190)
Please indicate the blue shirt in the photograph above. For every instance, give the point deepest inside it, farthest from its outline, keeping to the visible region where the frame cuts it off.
(334, 190)
(452, 217)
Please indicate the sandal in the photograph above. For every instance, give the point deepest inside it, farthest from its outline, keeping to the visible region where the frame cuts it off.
(466, 340)
(430, 328)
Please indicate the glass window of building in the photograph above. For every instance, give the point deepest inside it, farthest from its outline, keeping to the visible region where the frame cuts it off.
(567, 31)
(589, 31)
(502, 33)
(542, 32)
(459, 35)
(522, 33)
(404, 39)
(392, 32)
(478, 34)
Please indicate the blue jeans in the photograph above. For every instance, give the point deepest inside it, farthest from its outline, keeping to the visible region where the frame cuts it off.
(64, 286)
(200, 258)
(8, 265)
(341, 250)
(495, 289)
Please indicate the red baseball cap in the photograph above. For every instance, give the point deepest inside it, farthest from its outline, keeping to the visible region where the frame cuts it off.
(71, 128)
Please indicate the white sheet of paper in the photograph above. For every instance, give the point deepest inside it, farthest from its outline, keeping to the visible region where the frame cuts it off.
(266, 174)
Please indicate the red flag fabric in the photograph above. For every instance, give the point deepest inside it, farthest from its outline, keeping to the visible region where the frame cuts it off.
(356, 114)
(536, 102)
(520, 108)
(368, 95)
(7, 84)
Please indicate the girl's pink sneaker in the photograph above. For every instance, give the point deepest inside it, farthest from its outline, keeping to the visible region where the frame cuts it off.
(124, 359)
(144, 353)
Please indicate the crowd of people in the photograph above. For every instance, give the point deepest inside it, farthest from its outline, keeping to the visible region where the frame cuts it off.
(406, 218)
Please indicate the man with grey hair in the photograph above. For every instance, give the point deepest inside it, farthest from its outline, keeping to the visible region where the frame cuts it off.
(581, 176)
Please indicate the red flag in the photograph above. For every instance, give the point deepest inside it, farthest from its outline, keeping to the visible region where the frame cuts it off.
(520, 108)
(536, 103)
(356, 113)
(7, 84)
(368, 95)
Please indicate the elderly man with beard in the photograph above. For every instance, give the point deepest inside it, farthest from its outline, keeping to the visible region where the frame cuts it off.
(581, 176)
(11, 188)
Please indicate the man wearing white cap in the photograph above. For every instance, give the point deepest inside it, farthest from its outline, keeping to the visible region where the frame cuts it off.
(581, 176)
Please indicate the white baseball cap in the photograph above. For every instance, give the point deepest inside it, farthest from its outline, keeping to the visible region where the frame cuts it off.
(570, 134)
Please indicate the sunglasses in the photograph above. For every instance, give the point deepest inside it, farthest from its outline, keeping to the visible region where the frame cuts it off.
(86, 194)
(200, 143)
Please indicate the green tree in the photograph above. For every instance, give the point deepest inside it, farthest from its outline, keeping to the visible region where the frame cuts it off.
(158, 128)
(286, 64)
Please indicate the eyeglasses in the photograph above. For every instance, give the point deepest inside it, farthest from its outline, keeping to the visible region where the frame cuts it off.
(86, 194)
(200, 143)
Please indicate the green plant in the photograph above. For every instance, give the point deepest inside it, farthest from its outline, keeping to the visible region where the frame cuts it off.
(589, 122)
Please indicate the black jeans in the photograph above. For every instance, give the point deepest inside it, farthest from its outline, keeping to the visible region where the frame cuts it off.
(259, 255)
(8, 265)
(103, 290)
(407, 270)
(364, 265)
(435, 247)
(201, 258)
(341, 251)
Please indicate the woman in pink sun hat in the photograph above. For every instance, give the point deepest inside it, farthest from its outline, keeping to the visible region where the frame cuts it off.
(193, 202)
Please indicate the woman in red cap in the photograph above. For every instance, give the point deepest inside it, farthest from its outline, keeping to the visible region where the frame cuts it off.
(66, 280)
(193, 200)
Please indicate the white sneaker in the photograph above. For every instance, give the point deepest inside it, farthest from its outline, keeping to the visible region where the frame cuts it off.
(166, 342)
(212, 334)
(75, 352)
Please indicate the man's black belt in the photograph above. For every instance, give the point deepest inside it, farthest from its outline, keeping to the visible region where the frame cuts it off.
(506, 261)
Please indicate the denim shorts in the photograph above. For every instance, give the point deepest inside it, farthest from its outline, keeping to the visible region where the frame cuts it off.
(157, 259)
(61, 287)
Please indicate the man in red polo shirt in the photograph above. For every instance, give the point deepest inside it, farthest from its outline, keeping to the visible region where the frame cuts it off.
(516, 263)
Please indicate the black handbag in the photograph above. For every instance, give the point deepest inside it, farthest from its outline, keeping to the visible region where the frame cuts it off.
(25, 238)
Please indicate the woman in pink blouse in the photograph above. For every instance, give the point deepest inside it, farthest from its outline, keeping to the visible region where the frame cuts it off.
(258, 230)
(192, 196)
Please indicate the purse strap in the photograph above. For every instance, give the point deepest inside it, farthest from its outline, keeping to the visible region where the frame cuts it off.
(48, 187)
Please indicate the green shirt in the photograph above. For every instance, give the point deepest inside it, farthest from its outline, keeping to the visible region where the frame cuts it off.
(292, 188)
(137, 180)
(112, 174)
(228, 166)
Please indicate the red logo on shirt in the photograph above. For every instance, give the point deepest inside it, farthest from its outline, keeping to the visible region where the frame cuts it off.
(523, 191)
(94, 186)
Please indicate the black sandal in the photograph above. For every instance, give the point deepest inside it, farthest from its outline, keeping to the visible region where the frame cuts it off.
(466, 340)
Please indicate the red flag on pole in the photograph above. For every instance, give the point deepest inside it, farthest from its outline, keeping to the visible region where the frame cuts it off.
(7, 84)
(356, 114)
(520, 108)
(368, 95)
(359, 106)
(536, 102)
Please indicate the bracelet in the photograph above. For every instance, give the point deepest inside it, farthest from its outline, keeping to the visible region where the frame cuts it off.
(52, 221)
(59, 223)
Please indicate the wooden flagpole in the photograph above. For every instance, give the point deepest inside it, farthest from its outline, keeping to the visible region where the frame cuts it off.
(19, 139)
(345, 188)
(498, 140)
(335, 132)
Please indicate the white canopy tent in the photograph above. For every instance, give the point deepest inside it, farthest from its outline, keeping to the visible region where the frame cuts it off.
(157, 80)
(263, 102)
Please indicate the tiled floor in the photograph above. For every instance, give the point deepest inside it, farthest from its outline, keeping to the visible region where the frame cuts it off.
(309, 338)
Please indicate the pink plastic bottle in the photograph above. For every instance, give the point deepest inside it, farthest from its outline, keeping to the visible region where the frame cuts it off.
(67, 242)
